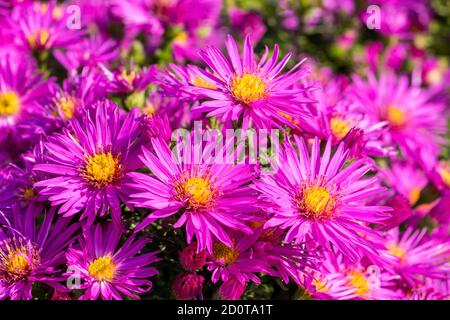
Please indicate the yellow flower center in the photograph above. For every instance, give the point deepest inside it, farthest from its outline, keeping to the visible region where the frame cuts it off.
(359, 281)
(444, 171)
(315, 202)
(9, 104)
(128, 76)
(181, 38)
(198, 190)
(396, 251)
(17, 261)
(67, 104)
(414, 195)
(248, 88)
(102, 169)
(202, 83)
(339, 127)
(102, 269)
(396, 116)
(226, 254)
(28, 193)
(38, 39)
(320, 285)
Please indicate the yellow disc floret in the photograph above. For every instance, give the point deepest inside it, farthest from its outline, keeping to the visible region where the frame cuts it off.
(38, 39)
(360, 282)
(224, 253)
(315, 202)
(102, 169)
(198, 190)
(9, 104)
(248, 88)
(396, 116)
(102, 269)
(339, 127)
(17, 260)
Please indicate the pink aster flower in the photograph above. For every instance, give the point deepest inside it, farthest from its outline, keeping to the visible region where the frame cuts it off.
(188, 286)
(129, 80)
(90, 52)
(208, 198)
(417, 255)
(414, 120)
(41, 26)
(247, 22)
(244, 88)
(31, 251)
(407, 179)
(77, 93)
(237, 263)
(23, 95)
(289, 260)
(88, 164)
(337, 280)
(109, 270)
(317, 197)
(16, 181)
(191, 259)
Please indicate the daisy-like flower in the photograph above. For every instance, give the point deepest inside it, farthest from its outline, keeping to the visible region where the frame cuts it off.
(88, 165)
(208, 198)
(291, 261)
(337, 280)
(23, 95)
(77, 93)
(317, 197)
(407, 179)
(244, 88)
(16, 191)
(414, 119)
(32, 252)
(90, 52)
(41, 26)
(417, 255)
(236, 265)
(109, 270)
(131, 80)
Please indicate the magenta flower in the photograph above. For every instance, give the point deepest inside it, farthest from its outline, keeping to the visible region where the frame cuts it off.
(23, 96)
(32, 252)
(337, 280)
(402, 18)
(417, 255)
(41, 26)
(129, 81)
(208, 198)
(191, 259)
(89, 165)
(77, 93)
(244, 88)
(110, 271)
(188, 286)
(90, 52)
(313, 196)
(407, 179)
(237, 265)
(247, 22)
(414, 119)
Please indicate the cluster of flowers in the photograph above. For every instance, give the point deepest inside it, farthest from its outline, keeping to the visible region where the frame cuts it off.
(98, 200)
